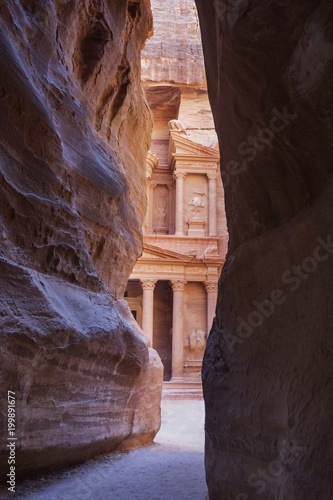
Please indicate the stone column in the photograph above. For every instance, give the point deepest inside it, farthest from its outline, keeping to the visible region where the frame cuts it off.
(146, 221)
(177, 329)
(179, 176)
(171, 211)
(212, 218)
(148, 307)
(211, 289)
(152, 186)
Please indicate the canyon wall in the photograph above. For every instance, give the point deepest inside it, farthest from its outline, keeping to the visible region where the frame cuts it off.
(75, 132)
(174, 52)
(267, 370)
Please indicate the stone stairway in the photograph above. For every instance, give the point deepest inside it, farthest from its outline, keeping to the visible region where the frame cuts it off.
(182, 390)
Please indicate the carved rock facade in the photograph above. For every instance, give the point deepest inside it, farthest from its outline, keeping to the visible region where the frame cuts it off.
(185, 234)
(172, 290)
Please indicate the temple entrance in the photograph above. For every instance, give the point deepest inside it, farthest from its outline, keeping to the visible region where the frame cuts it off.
(162, 325)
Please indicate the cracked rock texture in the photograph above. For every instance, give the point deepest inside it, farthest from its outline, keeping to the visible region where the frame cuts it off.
(267, 371)
(75, 131)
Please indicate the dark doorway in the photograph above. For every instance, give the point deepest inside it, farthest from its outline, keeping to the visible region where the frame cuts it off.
(162, 334)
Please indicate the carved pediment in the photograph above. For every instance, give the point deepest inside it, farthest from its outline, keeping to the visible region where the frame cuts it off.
(151, 252)
(180, 145)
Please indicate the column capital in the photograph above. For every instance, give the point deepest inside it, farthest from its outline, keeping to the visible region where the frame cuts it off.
(178, 174)
(212, 176)
(211, 286)
(148, 284)
(152, 184)
(178, 285)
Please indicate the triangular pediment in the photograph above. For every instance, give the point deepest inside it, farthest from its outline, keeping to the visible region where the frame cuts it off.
(180, 145)
(151, 252)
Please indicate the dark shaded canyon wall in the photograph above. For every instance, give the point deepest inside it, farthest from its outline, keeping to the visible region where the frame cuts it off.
(75, 130)
(267, 370)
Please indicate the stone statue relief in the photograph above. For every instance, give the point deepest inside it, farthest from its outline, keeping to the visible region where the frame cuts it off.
(161, 209)
(162, 213)
(196, 205)
(197, 341)
(177, 126)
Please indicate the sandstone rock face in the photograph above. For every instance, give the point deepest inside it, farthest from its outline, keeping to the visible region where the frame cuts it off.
(75, 131)
(268, 365)
(174, 53)
(174, 77)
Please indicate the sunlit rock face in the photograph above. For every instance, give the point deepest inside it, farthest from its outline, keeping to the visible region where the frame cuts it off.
(268, 365)
(173, 75)
(174, 53)
(75, 131)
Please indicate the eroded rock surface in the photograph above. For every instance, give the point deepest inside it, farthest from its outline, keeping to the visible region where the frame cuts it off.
(75, 131)
(173, 75)
(174, 53)
(268, 365)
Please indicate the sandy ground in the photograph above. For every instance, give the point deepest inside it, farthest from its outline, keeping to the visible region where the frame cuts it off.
(170, 469)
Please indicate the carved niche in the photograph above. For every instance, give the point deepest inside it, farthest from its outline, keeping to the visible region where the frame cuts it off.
(161, 209)
(196, 216)
(196, 211)
(195, 348)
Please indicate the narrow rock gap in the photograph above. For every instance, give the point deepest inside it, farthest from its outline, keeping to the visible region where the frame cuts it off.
(94, 382)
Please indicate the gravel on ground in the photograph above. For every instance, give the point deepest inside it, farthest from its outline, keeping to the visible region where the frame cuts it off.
(170, 469)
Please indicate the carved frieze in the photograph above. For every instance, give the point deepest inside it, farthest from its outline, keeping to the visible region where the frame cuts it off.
(212, 270)
(159, 269)
(192, 166)
(196, 270)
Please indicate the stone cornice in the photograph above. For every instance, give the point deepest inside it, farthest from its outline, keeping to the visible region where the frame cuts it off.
(195, 159)
(207, 239)
(195, 165)
(217, 262)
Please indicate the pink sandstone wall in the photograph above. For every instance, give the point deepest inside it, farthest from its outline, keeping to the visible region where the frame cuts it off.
(75, 131)
(267, 370)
